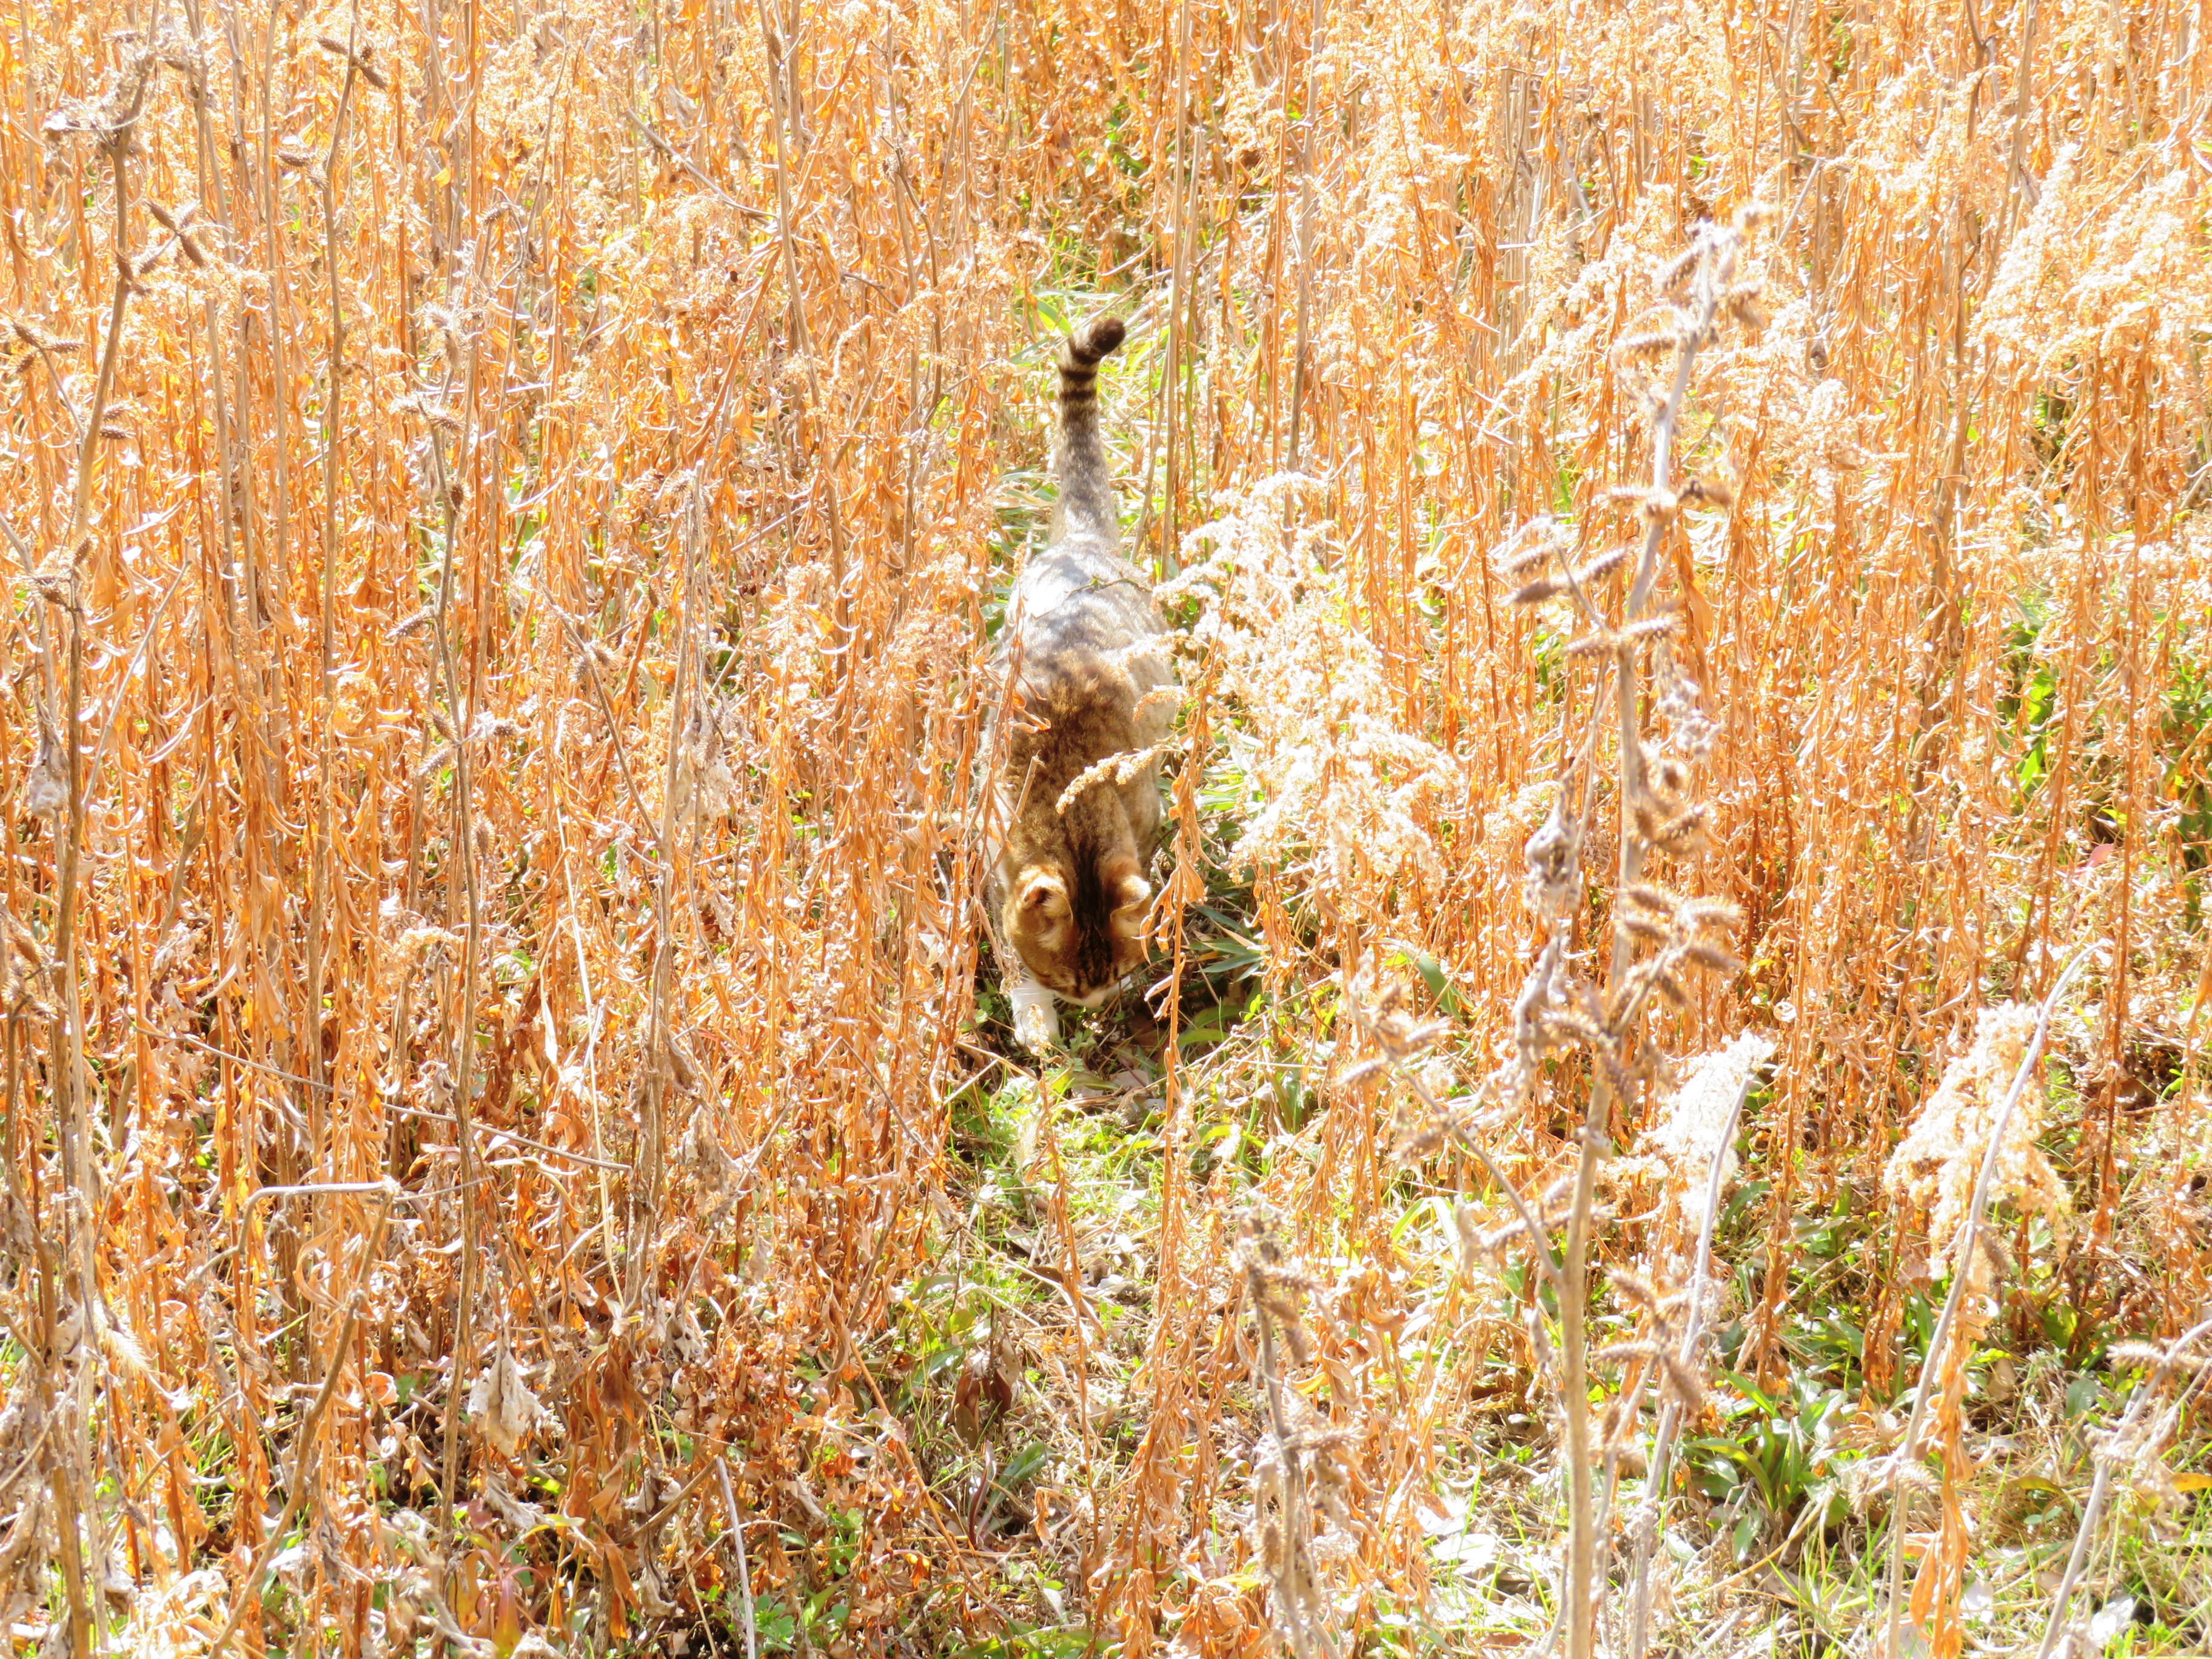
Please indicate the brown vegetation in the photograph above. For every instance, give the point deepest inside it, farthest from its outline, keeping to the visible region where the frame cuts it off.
(503, 1142)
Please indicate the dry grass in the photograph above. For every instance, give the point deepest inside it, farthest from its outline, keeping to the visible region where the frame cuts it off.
(506, 506)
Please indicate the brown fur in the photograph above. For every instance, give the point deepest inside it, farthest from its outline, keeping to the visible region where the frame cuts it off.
(1075, 900)
(1067, 888)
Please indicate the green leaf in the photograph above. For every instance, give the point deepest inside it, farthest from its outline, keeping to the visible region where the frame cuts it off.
(1022, 1466)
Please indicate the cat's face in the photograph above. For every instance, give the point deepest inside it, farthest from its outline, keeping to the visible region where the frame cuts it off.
(1081, 932)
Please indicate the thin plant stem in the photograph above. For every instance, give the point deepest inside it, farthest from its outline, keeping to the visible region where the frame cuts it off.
(1579, 1595)
(1962, 1257)
(659, 1062)
(462, 713)
(320, 866)
(73, 1486)
(1660, 1463)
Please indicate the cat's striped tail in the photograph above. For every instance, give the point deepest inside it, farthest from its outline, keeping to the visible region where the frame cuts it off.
(1086, 487)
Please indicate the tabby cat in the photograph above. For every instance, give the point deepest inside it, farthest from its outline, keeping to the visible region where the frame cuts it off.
(1085, 648)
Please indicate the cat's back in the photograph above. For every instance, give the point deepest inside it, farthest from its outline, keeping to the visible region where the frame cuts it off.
(1084, 621)
(1079, 596)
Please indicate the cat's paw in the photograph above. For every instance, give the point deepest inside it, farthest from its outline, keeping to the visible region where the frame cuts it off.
(1036, 1020)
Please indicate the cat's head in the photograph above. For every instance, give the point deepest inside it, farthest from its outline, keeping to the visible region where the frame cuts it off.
(1078, 923)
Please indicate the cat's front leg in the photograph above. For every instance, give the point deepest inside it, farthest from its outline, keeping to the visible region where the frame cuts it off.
(1037, 1013)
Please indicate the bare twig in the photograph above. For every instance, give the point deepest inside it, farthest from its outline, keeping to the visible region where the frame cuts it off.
(738, 1542)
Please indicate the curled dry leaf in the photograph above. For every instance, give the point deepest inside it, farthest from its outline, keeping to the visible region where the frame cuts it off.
(500, 1402)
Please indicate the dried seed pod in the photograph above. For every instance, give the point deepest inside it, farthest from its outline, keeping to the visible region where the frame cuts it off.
(1684, 1381)
(1602, 565)
(1685, 833)
(1742, 303)
(1618, 1078)
(43, 342)
(1651, 503)
(360, 60)
(1657, 343)
(1634, 1287)
(1535, 544)
(2137, 1356)
(1571, 1027)
(1421, 1143)
(1621, 1353)
(1669, 278)
(1364, 1069)
(1517, 567)
(1713, 959)
(1711, 913)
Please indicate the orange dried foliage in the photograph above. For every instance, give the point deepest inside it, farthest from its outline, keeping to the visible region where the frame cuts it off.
(520, 617)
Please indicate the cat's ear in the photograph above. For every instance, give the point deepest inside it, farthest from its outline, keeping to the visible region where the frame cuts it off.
(1041, 897)
(1129, 893)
